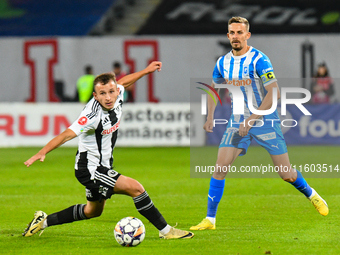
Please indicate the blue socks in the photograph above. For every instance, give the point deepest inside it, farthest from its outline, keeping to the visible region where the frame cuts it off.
(301, 185)
(214, 196)
(217, 187)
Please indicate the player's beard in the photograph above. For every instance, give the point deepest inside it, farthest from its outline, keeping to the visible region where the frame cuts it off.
(237, 48)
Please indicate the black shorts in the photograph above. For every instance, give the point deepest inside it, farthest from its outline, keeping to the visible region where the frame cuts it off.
(102, 185)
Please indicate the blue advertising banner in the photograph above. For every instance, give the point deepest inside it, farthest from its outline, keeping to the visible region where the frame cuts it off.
(322, 127)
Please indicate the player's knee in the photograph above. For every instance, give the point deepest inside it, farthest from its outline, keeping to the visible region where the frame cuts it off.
(221, 171)
(135, 188)
(96, 214)
(219, 175)
(289, 179)
(138, 189)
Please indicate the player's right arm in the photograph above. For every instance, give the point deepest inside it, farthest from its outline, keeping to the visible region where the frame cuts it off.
(209, 124)
(65, 136)
(130, 79)
(217, 78)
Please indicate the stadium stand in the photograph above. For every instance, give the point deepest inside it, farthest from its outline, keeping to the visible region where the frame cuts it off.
(266, 17)
(45, 18)
(125, 17)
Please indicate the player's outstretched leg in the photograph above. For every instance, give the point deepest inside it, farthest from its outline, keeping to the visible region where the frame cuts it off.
(36, 224)
(226, 156)
(295, 178)
(144, 205)
(301, 185)
(73, 213)
(214, 197)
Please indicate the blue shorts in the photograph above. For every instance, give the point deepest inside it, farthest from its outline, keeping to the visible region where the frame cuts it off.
(268, 136)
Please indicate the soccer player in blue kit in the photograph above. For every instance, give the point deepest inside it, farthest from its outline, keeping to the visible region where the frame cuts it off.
(250, 69)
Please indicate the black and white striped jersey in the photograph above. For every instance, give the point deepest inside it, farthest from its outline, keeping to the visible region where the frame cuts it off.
(97, 130)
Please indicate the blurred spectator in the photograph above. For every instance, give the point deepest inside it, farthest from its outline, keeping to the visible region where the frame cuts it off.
(128, 94)
(85, 85)
(117, 69)
(322, 86)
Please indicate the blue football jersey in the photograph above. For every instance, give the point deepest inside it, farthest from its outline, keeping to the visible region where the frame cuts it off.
(251, 71)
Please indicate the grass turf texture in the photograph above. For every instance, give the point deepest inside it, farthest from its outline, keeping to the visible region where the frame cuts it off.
(256, 215)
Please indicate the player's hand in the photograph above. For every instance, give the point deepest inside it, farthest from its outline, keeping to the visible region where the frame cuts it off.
(36, 157)
(244, 129)
(153, 66)
(208, 126)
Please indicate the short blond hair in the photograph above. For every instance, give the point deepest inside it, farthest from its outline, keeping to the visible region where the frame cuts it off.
(239, 20)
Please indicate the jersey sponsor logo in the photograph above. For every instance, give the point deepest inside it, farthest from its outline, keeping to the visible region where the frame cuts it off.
(268, 136)
(111, 129)
(82, 120)
(238, 83)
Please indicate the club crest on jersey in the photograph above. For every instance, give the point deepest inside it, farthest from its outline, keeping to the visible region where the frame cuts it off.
(82, 120)
(111, 129)
(245, 70)
(111, 173)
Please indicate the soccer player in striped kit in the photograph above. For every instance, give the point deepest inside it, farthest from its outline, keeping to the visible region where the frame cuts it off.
(250, 69)
(97, 128)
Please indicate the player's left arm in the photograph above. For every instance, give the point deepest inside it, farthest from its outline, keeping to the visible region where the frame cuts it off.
(265, 105)
(130, 79)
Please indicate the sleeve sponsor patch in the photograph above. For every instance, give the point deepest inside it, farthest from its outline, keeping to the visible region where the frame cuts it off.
(82, 120)
(267, 77)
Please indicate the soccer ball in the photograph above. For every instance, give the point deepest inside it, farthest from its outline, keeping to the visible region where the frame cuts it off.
(129, 231)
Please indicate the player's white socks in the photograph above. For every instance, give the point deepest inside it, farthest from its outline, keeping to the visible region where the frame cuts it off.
(44, 224)
(212, 220)
(313, 193)
(165, 230)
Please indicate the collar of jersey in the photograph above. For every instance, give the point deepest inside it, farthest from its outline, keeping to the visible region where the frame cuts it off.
(239, 57)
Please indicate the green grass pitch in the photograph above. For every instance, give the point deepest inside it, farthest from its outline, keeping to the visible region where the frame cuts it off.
(255, 216)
